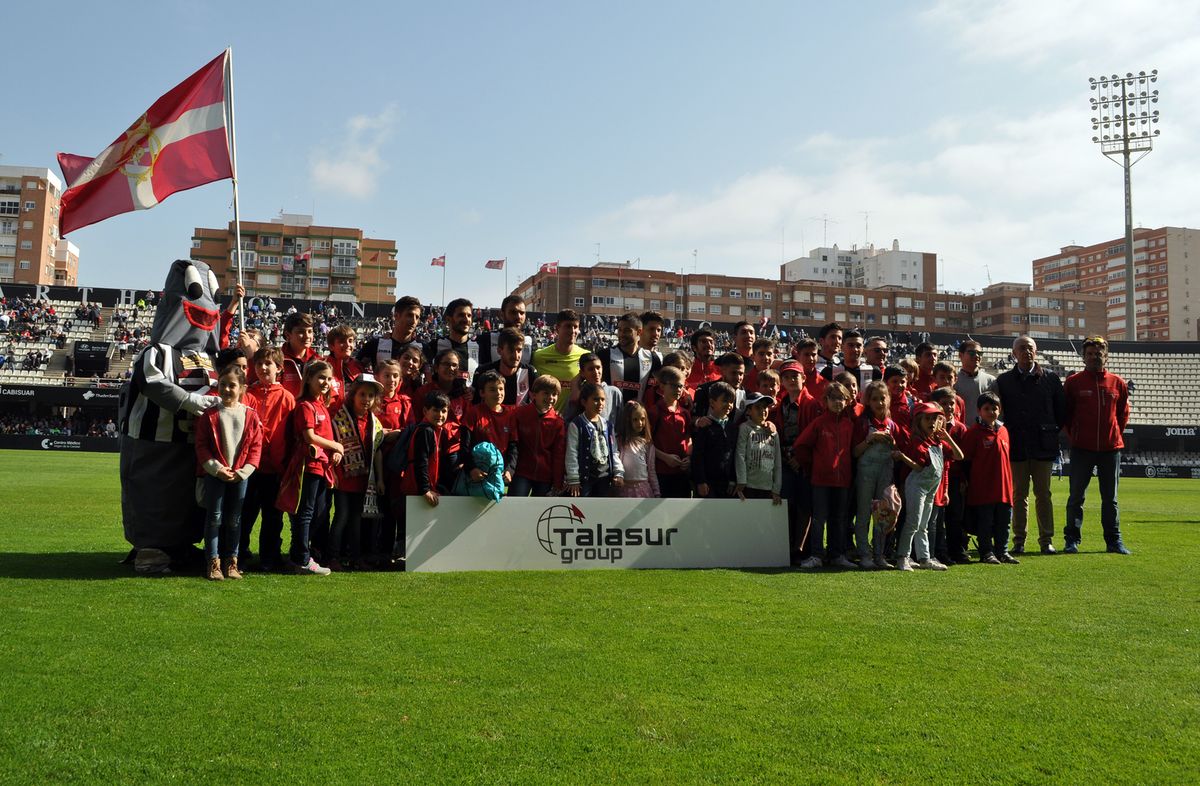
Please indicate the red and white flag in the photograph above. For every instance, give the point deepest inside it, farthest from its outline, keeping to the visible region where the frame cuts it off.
(549, 267)
(438, 261)
(495, 264)
(305, 256)
(179, 143)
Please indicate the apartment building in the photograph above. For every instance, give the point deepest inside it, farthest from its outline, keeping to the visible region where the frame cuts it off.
(31, 252)
(290, 256)
(1001, 309)
(1163, 270)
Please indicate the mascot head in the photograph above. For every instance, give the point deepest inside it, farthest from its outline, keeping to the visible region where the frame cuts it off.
(187, 316)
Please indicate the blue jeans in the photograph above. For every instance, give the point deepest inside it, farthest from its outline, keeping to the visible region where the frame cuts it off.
(830, 513)
(345, 539)
(874, 474)
(1107, 464)
(521, 486)
(991, 528)
(223, 501)
(314, 498)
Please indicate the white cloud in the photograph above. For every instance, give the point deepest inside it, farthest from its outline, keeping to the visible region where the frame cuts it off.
(1032, 32)
(352, 166)
(990, 188)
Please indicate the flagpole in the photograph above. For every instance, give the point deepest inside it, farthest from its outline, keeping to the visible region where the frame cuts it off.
(237, 219)
(443, 281)
(505, 277)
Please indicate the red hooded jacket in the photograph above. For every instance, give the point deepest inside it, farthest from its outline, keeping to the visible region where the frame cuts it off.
(1097, 410)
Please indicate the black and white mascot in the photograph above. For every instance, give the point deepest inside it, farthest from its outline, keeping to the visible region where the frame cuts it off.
(173, 381)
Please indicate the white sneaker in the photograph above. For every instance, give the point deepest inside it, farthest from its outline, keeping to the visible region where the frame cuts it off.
(842, 562)
(882, 564)
(811, 563)
(930, 564)
(904, 563)
(311, 568)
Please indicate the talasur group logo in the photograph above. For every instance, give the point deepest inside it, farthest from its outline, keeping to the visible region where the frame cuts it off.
(562, 531)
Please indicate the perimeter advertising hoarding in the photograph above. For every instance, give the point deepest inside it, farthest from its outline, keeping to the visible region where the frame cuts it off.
(60, 442)
(560, 533)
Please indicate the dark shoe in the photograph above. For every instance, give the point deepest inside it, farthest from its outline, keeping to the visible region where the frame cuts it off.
(962, 559)
(1071, 548)
(990, 559)
(1018, 548)
(1009, 559)
(1048, 549)
(1118, 548)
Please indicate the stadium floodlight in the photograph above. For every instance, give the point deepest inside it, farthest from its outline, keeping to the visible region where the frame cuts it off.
(1124, 119)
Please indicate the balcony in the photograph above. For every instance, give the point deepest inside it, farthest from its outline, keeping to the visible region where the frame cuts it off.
(344, 271)
(343, 288)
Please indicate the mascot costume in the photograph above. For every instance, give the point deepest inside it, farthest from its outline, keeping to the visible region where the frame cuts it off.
(173, 381)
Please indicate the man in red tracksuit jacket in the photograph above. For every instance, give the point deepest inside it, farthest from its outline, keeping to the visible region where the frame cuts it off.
(1097, 409)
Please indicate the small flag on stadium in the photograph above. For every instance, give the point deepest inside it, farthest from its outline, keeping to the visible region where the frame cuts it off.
(375, 256)
(180, 142)
(305, 256)
(549, 267)
(438, 261)
(495, 264)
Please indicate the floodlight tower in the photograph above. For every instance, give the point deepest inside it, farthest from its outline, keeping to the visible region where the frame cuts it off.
(1126, 126)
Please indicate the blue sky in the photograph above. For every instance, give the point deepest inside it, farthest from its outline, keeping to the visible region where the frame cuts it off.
(534, 131)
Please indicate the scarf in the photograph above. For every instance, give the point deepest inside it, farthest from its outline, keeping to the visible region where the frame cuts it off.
(355, 461)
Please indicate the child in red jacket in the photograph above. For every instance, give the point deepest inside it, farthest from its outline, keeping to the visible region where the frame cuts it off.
(228, 449)
(541, 442)
(273, 405)
(990, 482)
(824, 450)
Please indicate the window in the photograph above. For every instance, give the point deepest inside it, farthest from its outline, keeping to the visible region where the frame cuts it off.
(715, 308)
(696, 307)
(321, 245)
(857, 300)
(735, 294)
(1016, 320)
(1037, 302)
(695, 289)
(346, 247)
(269, 241)
(579, 282)
(268, 279)
(655, 305)
(1015, 302)
(715, 292)
(818, 297)
(27, 224)
(24, 264)
(939, 306)
(902, 302)
(30, 206)
(802, 296)
(195, 243)
(597, 300)
(735, 311)
(319, 282)
(10, 207)
(755, 294)
(767, 296)
(26, 245)
(919, 304)
(839, 300)
(579, 301)
(392, 275)
(599, 283)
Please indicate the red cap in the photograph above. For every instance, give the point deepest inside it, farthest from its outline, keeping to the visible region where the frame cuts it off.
(928, 408)
(791, 365)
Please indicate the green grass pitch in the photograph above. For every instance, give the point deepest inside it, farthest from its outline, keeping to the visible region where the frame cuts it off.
(1067, 669)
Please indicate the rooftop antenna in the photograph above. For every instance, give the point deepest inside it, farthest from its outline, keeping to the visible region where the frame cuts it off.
(988, 270)
(825, 222)
(866, 214)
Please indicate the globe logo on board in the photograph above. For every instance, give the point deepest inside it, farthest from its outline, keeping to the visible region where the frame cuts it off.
(557, 517)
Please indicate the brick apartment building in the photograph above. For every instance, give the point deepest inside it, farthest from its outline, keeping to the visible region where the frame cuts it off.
(289, 256)
(31, 252)
(1163, 270)
(1001, 309)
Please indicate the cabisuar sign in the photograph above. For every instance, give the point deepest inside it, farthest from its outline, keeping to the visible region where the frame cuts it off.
(468, 533)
